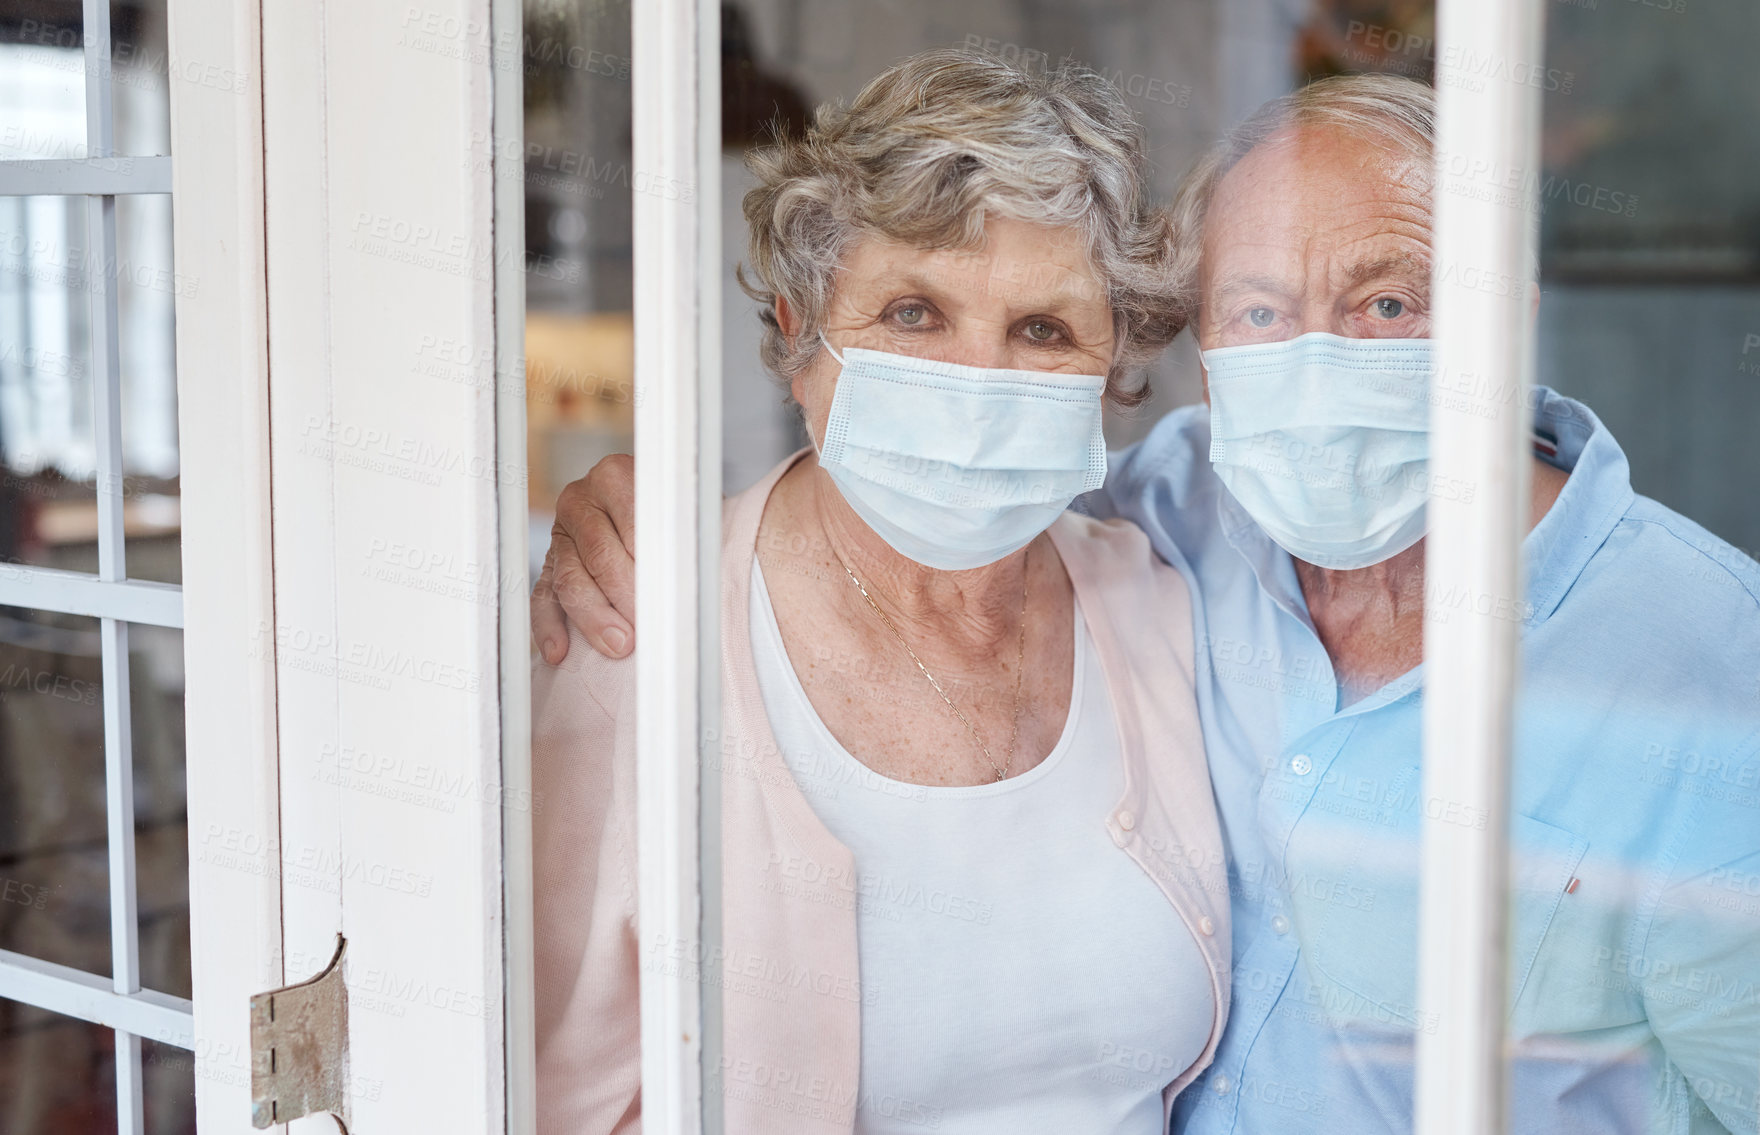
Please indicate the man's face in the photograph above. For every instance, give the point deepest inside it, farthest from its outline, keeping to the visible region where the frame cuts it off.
(1317, 230)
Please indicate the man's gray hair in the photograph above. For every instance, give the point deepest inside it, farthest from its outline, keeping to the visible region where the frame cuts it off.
(924, 155)
(1386, 108)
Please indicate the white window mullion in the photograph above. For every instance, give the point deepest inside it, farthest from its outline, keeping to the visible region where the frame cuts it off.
(677, 124)
(88, 997)
(101, 281)
(125, 953)
(1487, 128)
(65, 177)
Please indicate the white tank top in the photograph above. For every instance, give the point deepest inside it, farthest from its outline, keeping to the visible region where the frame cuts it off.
(1021, 974)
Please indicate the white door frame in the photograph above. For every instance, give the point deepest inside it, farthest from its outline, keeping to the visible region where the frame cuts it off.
(223, 400)
(352, 416)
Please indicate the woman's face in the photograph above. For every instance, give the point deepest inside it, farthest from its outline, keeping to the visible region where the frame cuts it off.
(1027, 300)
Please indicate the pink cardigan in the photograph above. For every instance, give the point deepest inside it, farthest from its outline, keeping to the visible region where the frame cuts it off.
(791, 983)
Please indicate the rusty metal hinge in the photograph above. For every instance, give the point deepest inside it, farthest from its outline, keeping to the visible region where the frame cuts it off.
(299, 1049)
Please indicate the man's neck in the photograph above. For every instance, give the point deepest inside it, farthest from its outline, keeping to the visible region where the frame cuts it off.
(1371, 620)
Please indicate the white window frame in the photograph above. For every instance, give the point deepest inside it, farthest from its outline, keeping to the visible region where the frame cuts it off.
(676, 94)
(1486, 128)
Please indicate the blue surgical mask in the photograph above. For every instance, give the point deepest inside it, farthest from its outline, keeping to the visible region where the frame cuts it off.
(957, 466)
(1325, 442)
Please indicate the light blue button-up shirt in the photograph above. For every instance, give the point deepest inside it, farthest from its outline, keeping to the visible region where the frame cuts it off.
(1635, 830)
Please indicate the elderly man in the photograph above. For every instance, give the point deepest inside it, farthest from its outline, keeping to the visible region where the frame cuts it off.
(1293, 505)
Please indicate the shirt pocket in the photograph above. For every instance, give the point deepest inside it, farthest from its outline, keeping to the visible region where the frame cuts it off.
(1366, 948)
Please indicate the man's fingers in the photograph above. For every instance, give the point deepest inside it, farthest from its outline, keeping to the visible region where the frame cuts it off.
(549, 624)
(587, 513)
(587, 606)
(590, 570)
(611, 486)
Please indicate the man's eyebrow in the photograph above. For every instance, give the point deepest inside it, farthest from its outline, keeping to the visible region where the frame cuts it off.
(1381, 267)
(1231, 286)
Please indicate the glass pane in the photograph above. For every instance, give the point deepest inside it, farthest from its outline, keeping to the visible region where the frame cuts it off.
(580, 366)
(161, 829)
(145, 302)
(57, 1074)
(53, 841)
(43, 84)
(170, 1082)
(48, 502)
(142, 76)
(1650, 240)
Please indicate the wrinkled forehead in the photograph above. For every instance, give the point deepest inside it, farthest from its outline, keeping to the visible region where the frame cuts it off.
(1018, 264)
(1315, 197)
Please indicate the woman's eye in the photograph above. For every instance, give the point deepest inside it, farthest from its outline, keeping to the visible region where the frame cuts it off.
(1040, 331)
(1261, 317)
(910, 316)
(1389, 308)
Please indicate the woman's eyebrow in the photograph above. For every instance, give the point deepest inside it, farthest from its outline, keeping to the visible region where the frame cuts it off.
(1048, 289)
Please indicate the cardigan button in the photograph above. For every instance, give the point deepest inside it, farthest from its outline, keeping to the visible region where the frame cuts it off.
(1207, 926)
(1127, 821)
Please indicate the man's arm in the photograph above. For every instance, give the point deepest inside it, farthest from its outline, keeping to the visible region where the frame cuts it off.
(589, 576)
(1701, 959)
(590, 572)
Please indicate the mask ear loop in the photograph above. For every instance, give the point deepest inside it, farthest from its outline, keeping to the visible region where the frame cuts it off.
(807, 425)
(830, 348)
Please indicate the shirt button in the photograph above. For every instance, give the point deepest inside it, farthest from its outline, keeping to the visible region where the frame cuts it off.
(1207, 926)
(1126, 821)
(1280, 924)
(1221, 1084)
(1301, 765)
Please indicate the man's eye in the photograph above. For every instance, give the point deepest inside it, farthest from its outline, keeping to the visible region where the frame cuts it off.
(1041, 331)
(910, 316)
(1261, 317)
(1389, 308)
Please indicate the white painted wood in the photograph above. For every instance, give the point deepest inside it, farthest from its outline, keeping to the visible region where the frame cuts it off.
(675, 69)
(73, 176)
(76, 593)
(1487, 137)
(106, 375)
(62, 989)
(307, 635)
(223, 414)
(513, 570)
(381, 296)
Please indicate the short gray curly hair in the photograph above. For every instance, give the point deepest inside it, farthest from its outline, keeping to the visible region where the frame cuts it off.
(927, 151)
(1387, 108)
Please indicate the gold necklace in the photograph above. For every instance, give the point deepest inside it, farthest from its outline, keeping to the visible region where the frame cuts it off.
(1001, 770)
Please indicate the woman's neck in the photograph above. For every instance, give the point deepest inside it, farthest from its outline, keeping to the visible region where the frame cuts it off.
(971, 614)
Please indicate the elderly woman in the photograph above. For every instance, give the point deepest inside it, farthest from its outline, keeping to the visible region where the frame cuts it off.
(971, 868)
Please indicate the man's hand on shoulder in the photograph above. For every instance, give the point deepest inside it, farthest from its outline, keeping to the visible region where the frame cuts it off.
(589, 572)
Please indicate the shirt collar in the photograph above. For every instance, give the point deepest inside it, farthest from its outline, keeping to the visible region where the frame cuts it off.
(1554, 554)
(1592, 502)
